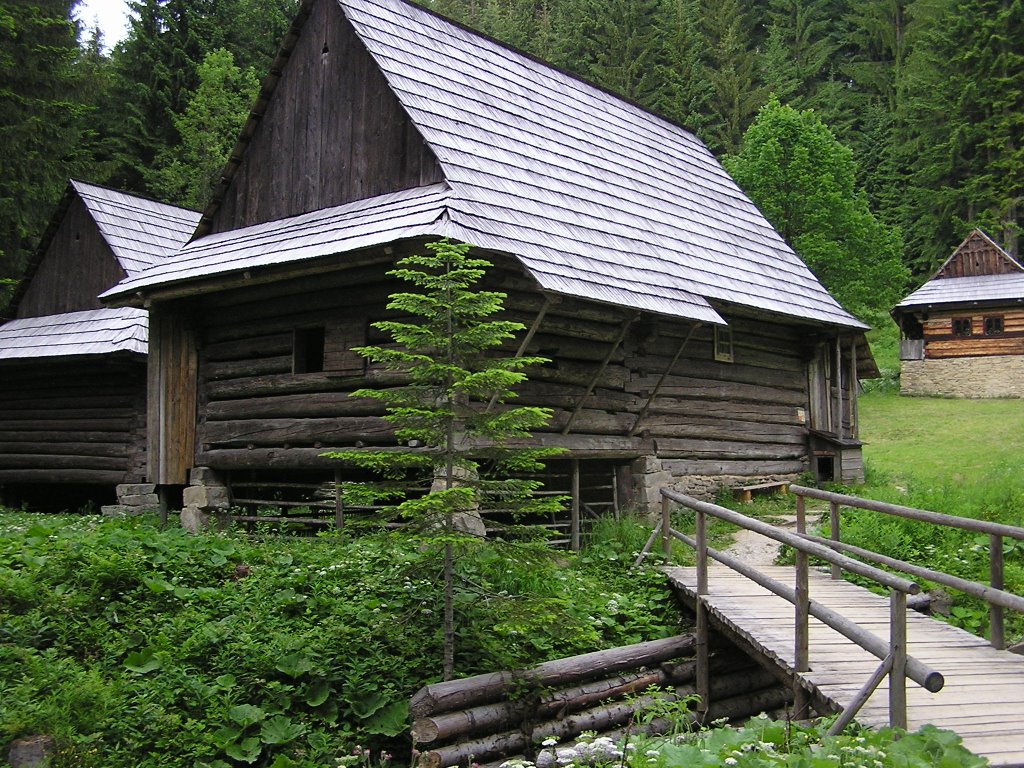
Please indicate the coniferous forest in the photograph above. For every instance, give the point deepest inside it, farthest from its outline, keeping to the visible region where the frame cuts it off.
(873, 133)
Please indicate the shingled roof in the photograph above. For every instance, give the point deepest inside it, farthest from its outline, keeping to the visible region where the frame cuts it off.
(597, 197)
(91, 332)
(979, 271)
(140, 232)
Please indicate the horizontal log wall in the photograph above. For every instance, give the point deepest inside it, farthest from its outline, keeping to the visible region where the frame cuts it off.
(73, 422)
(742, 419)
(939, 341)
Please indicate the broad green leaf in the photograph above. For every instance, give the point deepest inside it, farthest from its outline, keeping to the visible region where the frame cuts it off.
(247, 751)
(280, 730)
(246, 714)
(158, 585)
(295, 664)
(143, 662)
(317, 692)
(367, 704)
(389, 721)
(224, 736)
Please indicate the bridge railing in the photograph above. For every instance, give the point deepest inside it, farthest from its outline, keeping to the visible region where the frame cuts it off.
(896, 663)
(992, 593)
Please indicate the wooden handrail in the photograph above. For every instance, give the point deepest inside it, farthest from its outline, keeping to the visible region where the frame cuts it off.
(993, 594)
(793, 540)
(896, 663)
(938, 518)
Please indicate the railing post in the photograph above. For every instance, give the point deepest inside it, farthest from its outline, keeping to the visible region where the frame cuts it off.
(574, 521)
(339, 502)
(995, 612)
(666, 527)
(801, 634)
(833, 520)
(898, 653)
(703, 630)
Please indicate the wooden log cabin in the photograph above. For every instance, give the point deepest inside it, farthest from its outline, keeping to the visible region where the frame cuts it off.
(73, 372)
(689, 345)
(962, 332)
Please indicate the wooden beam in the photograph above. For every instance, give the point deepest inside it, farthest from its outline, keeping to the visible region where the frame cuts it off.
(839, 401)
(854, 412)
(597, 374)
(548, 301)
(574, 533)
(657, 387)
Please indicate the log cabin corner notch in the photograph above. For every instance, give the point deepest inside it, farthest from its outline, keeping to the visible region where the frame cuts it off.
(962, 332)
(620, 240)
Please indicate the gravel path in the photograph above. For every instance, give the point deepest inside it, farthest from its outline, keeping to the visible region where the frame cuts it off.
(755, 549)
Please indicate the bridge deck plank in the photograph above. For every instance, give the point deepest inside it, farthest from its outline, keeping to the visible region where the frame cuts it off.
(983, 699)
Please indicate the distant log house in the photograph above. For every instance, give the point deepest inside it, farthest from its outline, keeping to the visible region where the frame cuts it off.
(690, 346)
(963, 330)
(72, 372)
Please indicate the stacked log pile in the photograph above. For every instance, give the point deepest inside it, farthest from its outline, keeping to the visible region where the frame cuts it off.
(496, 716)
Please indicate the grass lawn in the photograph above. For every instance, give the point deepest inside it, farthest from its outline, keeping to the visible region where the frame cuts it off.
(939, 440)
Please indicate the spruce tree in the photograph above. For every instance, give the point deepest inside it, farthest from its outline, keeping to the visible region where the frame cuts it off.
(798, 51)
(618, 45)
(686, 91)
(737, 91)
(41, 123)
(964, 117)
(450, 418)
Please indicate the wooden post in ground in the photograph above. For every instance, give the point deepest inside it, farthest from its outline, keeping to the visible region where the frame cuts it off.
(801, 637)
(703, 628)
(666, 527)
(833, 519)
(995, 612)
(163, 504)
(898, 653)
(574, 525)
(339, 504)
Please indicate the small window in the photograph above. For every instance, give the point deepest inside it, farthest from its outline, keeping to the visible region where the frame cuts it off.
(723, 344)
(961, 326)
(994, 325)
(308, 350)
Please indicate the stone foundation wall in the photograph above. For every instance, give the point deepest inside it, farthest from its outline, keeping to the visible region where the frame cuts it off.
(975, 377)
(649, 477)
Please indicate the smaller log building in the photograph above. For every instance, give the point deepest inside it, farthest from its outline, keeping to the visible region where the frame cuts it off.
(73, 372)
(690, 346)
(962, 332)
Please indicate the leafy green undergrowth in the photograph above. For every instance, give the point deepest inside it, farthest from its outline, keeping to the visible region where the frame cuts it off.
(766, 743)
(139, 647)
(998, 497)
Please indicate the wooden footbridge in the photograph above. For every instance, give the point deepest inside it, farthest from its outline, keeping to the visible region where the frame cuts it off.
(847, 650)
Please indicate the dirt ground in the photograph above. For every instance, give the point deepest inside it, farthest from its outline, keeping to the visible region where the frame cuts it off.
(755, 549)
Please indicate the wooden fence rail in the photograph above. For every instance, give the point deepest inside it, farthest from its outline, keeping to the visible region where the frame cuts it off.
(896, 663)
(993, 593)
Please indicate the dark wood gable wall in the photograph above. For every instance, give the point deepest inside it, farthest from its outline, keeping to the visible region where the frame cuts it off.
(977, 257)
(78, 266)
(332, 133)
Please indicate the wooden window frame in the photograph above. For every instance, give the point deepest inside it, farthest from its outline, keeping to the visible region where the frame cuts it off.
(308, 349)
(723, 344)
(962, 327)
(992, 325)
